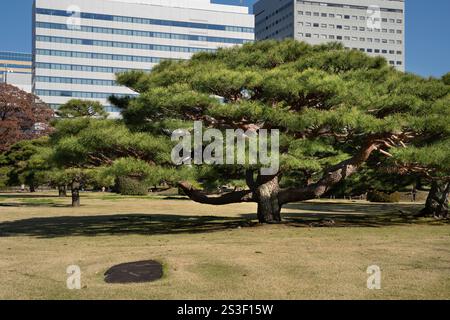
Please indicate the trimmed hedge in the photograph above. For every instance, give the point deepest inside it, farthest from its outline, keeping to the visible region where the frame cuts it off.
(131, 187)
(382, 197)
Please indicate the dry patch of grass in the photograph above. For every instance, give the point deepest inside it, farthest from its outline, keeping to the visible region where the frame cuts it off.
(218, 252)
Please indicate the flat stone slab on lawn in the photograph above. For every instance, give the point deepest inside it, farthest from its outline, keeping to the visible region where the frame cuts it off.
(135, 272)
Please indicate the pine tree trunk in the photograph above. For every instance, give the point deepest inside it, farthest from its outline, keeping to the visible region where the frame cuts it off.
(62, 191)
(75, 194)
(437, 201)
(269, 208)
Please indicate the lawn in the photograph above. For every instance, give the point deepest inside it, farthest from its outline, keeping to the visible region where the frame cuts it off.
(220, 252)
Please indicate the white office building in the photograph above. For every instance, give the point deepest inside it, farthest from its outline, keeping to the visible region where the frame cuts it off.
(376, 27)
(15, 69)
(79, 45)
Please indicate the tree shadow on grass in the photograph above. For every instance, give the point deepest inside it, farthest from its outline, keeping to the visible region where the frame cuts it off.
(124, 224)
(31, 204)
(26, 196)
(308, 214)
(354, 207)
(357, 214)
(16, 200)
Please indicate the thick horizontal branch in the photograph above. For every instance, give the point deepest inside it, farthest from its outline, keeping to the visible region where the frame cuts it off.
(227, 198)
(332, 176)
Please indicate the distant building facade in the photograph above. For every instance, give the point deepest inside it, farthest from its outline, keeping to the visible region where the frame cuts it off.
(376, 27)
(16, 69)
(79, 45)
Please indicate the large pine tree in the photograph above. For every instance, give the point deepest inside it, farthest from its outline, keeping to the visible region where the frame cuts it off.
(334, 107)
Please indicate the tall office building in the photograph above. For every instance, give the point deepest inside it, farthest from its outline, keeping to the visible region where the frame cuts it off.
(15, 69)
(79, 45)
(376, 27)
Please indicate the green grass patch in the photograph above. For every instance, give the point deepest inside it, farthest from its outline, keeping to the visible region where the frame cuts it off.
(211, 252)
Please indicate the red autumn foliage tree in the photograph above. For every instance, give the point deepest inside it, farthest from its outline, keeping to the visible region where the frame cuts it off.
(23, 116)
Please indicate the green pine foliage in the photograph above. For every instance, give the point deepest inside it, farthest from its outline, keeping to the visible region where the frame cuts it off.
(326, 100)
(93, 142)
(82, 108)
(24, 163)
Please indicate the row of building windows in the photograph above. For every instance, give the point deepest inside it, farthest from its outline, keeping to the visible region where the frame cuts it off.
(79, 94)
(279, 32)
(348, 6)
(15, 66)
(347, 17)
(379, 51)
(2, 72)
(348, 38)
(275, 13)
(258, 18)
(287, 16)
(91, 82)
(127, 45)
(392, 62)
(347, 27)
(98, 56)
(138, 33)
(15, 56)
(398, 63)
(55, 106)
(83, 68)
(158, 22)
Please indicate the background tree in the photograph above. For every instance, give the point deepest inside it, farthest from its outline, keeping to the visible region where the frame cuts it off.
(83, 148)
(56, 178)
(24, 162)
(22, 116)
(4, 171)
(334, 107)
(132, 176)
(446, 78)
(370, 180)
(76, 108)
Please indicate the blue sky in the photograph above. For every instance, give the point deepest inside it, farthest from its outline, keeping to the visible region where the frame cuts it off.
(427, 32)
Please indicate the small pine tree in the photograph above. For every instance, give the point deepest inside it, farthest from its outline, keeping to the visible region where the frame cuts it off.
(84, 148)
